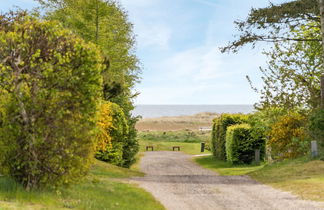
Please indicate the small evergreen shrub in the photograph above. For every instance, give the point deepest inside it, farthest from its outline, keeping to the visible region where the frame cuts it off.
(219, 132)
(240, 146)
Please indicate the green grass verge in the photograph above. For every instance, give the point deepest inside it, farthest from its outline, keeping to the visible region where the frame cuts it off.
(99, 190)
(303, 177)
(225, 168)
(189, 148)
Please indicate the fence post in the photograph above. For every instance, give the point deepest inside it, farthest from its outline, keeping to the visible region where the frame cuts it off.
(314, 149)
(257, 156)
(202, 148)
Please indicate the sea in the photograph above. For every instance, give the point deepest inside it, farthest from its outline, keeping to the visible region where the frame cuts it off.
(153, 111)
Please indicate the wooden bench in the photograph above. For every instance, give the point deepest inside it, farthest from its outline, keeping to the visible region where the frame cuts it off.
(149, 147)
(176, 147)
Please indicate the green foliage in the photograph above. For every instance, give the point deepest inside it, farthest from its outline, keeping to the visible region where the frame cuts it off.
(292, 78)
(113, 124)
(288, 138)
(131, 146)
(50, 82)
(219, 132)
(275, 22)
(106, 23)
(316, 126)
(240, 146)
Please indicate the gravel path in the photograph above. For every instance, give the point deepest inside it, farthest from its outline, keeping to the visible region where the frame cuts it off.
(180, 184)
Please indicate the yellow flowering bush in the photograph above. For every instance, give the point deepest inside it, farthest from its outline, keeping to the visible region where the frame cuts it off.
(112, 136)
(288, 138)
(104, 140)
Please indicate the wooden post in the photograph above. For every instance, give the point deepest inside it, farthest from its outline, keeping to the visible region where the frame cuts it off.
(257, 156)
(202, 148)
(314, 149)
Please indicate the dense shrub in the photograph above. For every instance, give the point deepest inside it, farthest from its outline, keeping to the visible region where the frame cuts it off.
(220, 125)
(240, 145)
(50, 82)
(112, 136)
(288, 137)
(259, 127)
(316, 126)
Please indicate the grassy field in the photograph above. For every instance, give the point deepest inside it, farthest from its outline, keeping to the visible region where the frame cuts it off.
(303, 177)
(189, 148)
(176, 136)
(100, 190)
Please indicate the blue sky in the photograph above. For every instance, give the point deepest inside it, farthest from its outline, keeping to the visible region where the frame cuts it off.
(178, 44)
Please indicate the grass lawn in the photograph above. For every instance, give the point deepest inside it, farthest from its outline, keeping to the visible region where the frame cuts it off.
(303, 177)
(99, 190)
(189, 148)
(225, 168)
(187, 136)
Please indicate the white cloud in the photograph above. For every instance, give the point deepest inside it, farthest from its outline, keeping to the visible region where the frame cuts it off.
(153, 35)
(150, 26)
(207, 2)
(198, 64)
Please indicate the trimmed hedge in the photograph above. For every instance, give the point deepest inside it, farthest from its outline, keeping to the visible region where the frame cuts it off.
(240, 145)
(219, 132)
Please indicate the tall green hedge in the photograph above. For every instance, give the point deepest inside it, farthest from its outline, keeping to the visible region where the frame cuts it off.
(219, 132)
(239, 144)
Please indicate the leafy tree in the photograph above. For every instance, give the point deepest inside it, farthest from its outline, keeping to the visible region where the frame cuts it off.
(50, 81)
(105, 23)
(292, 78)
(278, 24)
(275, 23)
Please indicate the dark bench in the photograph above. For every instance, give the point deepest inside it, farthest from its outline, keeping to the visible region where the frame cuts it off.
(149, 147)
(176, 147)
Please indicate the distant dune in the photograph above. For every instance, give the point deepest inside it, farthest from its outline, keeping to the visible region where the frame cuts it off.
(192, 122)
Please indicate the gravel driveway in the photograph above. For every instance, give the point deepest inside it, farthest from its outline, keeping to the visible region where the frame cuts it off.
(180, 184)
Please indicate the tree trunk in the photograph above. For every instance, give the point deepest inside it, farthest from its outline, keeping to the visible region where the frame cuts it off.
(321, 6)
(322, 91)
(97, 22)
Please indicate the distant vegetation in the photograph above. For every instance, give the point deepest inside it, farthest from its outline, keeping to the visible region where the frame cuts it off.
(192, 123)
